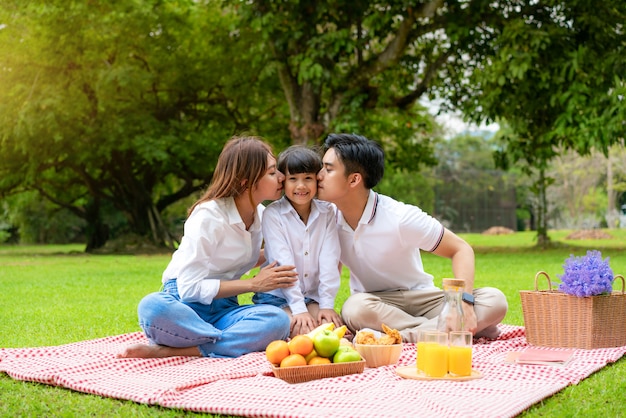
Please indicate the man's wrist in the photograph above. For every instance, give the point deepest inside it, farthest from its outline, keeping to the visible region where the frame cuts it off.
(468, 298)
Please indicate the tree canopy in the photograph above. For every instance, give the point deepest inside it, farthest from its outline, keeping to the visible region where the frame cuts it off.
(554, 72)
(125, 105)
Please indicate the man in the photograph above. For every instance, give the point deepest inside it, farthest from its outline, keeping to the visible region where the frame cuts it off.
(381, 240)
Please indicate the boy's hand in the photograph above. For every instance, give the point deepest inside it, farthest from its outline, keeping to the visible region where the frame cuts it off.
(302, 324)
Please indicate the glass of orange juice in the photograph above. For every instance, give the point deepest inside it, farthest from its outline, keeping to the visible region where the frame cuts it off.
(421, 346)
(435, 354)
(460, 355)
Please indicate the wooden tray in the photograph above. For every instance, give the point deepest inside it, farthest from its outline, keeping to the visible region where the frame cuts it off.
(411, 372)
(299, 374)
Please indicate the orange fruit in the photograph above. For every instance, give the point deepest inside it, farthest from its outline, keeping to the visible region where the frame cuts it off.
(293, 360)
(319, 360)
(276, 351)
(301, 344)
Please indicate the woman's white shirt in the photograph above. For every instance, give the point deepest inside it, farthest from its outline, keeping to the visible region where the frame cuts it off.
(215, 246)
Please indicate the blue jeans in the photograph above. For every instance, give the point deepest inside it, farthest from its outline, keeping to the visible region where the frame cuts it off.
(222, 329)
(269, 299)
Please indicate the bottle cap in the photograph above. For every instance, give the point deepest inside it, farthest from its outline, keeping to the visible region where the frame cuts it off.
(454, 283)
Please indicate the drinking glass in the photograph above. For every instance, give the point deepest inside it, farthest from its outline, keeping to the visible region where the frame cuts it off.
(421, 347)
(435, 354)
(460, 355)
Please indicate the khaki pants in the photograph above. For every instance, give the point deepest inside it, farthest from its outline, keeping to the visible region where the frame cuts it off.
(411, 310)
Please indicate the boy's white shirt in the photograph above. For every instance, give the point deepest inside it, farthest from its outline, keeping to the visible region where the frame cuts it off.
(312, 248)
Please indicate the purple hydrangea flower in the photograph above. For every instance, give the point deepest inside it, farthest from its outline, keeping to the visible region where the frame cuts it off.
(588, 275)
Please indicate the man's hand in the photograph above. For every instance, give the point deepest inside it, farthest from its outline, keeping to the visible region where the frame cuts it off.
(471, 323)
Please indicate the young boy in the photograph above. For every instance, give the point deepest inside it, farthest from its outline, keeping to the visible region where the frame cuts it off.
(301, 231)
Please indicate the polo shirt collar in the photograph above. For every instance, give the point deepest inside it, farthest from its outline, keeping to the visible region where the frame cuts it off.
(370, 208)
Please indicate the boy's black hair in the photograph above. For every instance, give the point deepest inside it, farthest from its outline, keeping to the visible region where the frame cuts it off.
(299, 159)
(359, 155)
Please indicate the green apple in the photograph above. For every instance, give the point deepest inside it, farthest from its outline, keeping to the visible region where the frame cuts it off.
(346, 354)
(326, 343)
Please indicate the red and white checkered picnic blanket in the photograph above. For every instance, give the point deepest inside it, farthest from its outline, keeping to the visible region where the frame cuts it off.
(245, 386)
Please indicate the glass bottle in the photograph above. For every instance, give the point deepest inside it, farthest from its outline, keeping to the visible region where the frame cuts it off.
(451, 317)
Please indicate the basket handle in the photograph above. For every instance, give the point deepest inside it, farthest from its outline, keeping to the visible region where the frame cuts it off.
(619, 276)
(539, 273)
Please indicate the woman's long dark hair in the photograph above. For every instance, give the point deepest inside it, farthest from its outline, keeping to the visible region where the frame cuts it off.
(241, 164)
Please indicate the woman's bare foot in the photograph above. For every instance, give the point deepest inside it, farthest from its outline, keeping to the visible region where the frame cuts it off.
(158, 351)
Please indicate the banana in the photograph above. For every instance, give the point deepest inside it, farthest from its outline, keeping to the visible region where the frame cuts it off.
(341, 331)
(325, 326)
(346, 342)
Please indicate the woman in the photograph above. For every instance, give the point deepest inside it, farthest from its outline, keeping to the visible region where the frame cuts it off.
(197, 312)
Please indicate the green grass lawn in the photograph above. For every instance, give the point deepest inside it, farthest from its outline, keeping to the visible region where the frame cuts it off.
(57, 295)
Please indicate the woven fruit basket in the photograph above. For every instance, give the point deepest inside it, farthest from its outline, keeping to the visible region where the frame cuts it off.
(299, 374)
(556, 319)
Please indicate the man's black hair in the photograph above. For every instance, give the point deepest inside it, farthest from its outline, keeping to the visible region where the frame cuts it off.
(359, 155)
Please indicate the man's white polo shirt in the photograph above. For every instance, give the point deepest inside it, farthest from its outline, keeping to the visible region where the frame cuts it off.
(383, 253)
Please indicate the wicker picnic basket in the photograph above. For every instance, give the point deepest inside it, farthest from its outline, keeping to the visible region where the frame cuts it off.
(299, 374)
(556, 319)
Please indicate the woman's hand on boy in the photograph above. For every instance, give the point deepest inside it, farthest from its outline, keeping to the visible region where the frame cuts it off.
(273, 277)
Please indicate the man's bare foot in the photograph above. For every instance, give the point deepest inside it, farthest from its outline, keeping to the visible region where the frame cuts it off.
(157, 351)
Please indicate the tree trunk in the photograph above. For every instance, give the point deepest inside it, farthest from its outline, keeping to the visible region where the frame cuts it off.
(145, 221)
(305, 126)
(97, 232)
(543, 240)
(612, 215)
(160, 234)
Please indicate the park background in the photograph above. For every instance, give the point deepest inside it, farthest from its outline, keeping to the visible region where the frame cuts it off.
(112, 115)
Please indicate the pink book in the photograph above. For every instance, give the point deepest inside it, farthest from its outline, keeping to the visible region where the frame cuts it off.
(541, 356)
